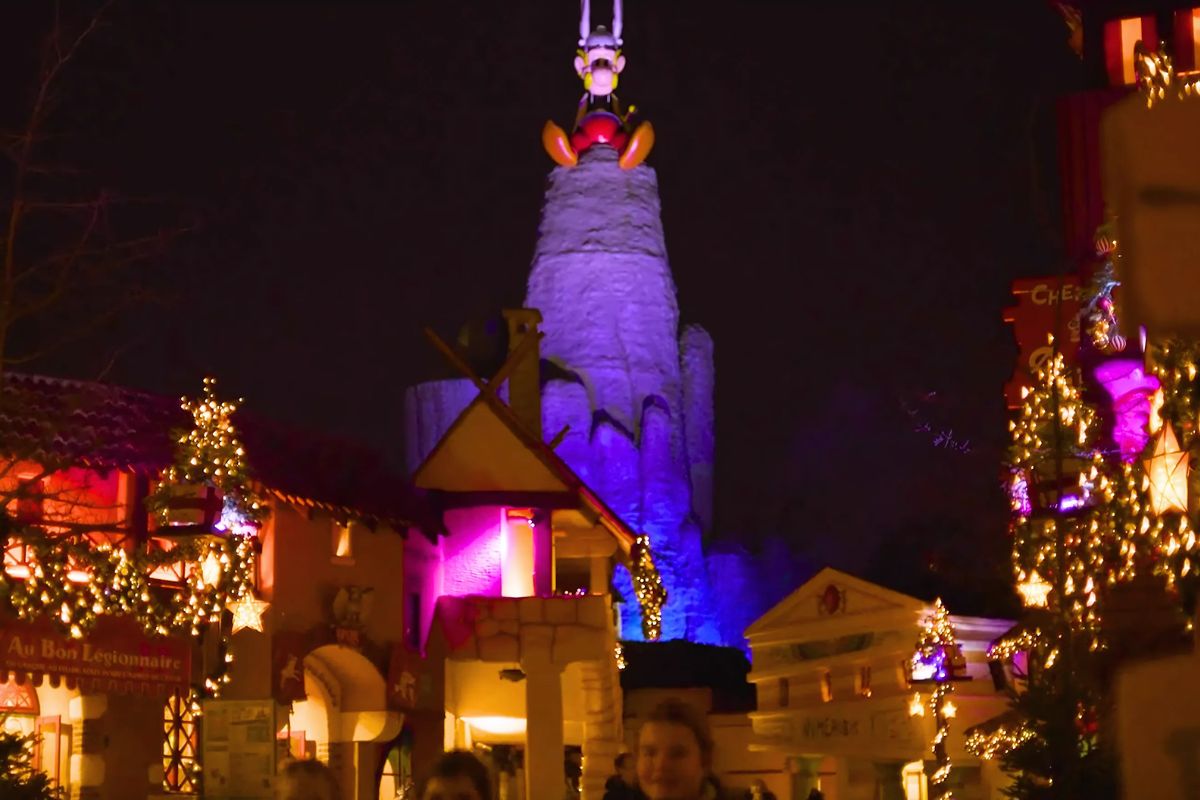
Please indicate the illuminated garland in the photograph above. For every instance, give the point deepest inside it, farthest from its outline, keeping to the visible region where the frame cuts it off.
(1156, 76)
(76, 583)
(1052, 436)
(1006, 647)
(619, 655)
(991, 746)
(648, 586)
(935, 650)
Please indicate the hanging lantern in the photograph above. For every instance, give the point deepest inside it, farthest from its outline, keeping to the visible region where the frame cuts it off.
(1167, 472)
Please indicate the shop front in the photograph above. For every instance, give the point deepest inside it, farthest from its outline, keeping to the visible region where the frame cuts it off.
(106, 711)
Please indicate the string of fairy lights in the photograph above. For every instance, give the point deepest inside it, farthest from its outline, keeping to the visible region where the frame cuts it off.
(648, 586)
(933, 662)
(1090, 514)
(183, 581)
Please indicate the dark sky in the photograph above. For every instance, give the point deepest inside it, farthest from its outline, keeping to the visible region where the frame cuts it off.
(847, 188)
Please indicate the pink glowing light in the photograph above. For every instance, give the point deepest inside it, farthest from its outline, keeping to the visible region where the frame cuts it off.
(1018, 495)
(1130, 389)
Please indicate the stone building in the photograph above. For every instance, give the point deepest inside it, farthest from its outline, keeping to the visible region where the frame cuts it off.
(832, 670)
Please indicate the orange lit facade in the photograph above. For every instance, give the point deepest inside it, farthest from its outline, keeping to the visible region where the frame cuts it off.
(388, 622)
(109, 708)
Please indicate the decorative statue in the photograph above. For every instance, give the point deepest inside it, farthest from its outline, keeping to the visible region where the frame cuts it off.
(599, 120)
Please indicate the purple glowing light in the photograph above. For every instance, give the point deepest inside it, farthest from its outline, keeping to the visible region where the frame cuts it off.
(930, 666)
(233, 521)
(1070, 502)
(1018, 495)
(1129, 388)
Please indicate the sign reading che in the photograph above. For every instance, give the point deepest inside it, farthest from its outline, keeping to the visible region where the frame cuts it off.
(1045, 307)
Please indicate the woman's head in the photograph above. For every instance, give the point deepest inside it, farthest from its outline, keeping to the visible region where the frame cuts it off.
(675, 750)
(458, 775)
(306, 780)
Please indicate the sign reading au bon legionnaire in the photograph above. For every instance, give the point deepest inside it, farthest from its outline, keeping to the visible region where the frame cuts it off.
(115, 657)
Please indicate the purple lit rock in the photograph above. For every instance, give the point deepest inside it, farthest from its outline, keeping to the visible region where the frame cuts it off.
(601, 280)
(699, 384)
(429, 410)
(565, 405)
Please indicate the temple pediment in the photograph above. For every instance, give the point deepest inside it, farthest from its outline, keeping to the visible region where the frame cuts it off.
(832, 599)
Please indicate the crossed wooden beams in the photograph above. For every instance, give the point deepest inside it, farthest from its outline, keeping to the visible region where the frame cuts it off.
(489, 389)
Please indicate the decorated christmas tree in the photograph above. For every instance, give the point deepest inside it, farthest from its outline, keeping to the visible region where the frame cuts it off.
(1104, 548)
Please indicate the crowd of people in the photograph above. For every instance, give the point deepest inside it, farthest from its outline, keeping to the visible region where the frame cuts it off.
(673, 761)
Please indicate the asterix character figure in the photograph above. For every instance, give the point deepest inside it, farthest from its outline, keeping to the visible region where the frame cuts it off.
(599, 119)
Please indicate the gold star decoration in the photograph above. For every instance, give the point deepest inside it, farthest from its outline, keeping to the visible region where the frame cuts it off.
(247, 612)
(1035, 592)
(1167, 474)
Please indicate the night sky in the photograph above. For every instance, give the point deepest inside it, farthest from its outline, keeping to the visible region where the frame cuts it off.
(847, 190)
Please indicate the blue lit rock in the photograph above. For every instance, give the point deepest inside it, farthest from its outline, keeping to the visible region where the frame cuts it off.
(601, 279)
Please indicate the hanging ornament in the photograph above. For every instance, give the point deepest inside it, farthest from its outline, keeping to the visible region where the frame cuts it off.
(248, 612)
(1167, 472)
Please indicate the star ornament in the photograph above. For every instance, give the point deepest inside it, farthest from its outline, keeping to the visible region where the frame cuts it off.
(1167, 474)
(1035, 592)
(248, 612)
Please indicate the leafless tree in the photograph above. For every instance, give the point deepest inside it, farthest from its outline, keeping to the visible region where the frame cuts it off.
(72, 252)
(68, 254)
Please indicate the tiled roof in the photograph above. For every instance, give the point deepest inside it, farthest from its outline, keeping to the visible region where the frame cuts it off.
(60, 422)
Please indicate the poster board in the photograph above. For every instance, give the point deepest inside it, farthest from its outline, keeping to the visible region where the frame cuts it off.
(238, 749)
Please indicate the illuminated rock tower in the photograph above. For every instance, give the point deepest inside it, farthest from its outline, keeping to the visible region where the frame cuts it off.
(634, 397)
(637, 396)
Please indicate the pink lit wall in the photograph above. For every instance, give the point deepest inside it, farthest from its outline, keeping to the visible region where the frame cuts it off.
(472, 553)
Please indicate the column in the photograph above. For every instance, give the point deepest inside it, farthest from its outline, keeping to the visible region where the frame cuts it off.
(890, 780)
(544, 774)
(87, 745)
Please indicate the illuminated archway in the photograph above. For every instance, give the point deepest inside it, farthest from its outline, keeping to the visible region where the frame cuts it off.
(347, 702)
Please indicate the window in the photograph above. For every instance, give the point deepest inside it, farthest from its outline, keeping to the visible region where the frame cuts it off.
(414, 621)
(783, 693)
(396, 777)
(826, 687)
(343, 551)
(180, 741)
(864, 682)
(31, 498)
(1120, 35)
(18, 559)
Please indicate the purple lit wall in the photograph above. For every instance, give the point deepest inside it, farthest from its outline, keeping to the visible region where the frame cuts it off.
(471, 554)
